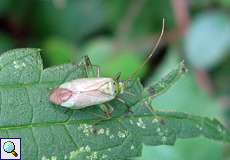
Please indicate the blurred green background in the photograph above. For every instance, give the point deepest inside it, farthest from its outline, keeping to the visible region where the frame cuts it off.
(117, 35)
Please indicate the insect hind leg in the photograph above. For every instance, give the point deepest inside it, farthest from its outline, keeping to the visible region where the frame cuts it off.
(93, 71)
(126, 105)
(98, 70)
(107, 109)
(90, 69)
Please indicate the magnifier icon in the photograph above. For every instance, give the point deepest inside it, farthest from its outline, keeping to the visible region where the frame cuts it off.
(9, 147)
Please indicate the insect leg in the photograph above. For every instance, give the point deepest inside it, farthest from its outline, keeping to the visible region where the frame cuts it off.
(146, 104)
(97, 122)
(157, 118)
(95, 69)
(107, 109)
(98, 70)
(117, 76)
(126, 105)
(129, 93)
(90, 69)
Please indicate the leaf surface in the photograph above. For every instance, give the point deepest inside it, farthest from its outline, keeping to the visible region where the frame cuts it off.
(49, 131)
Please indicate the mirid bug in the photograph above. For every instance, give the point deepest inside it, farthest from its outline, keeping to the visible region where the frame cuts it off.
(84, 92)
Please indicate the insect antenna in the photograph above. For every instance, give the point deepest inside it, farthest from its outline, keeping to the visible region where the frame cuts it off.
(152, 51)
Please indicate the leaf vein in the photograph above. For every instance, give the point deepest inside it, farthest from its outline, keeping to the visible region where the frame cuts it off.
(35, 141)
(70, 136)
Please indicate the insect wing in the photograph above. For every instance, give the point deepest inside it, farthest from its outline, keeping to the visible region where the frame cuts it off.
(89, 91)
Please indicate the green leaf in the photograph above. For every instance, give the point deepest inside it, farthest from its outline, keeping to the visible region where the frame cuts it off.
(49, 131)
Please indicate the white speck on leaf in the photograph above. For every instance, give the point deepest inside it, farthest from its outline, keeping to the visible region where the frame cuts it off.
(92, 156)
(44, 158)
(107, 132)
(16, 65)
(66, 157)
(140, 123)
(121, 134)
(23, 64)
(73, 154)
(164, 139)
(131, 121)
(219, 129)
(81, 149)
(132, 147)
(101, 131)
(111, 136)
(199, 127)
(160, 133)
(155, 120)
(86, 129)
(53, 158)
(87, 149)
(104, 156)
